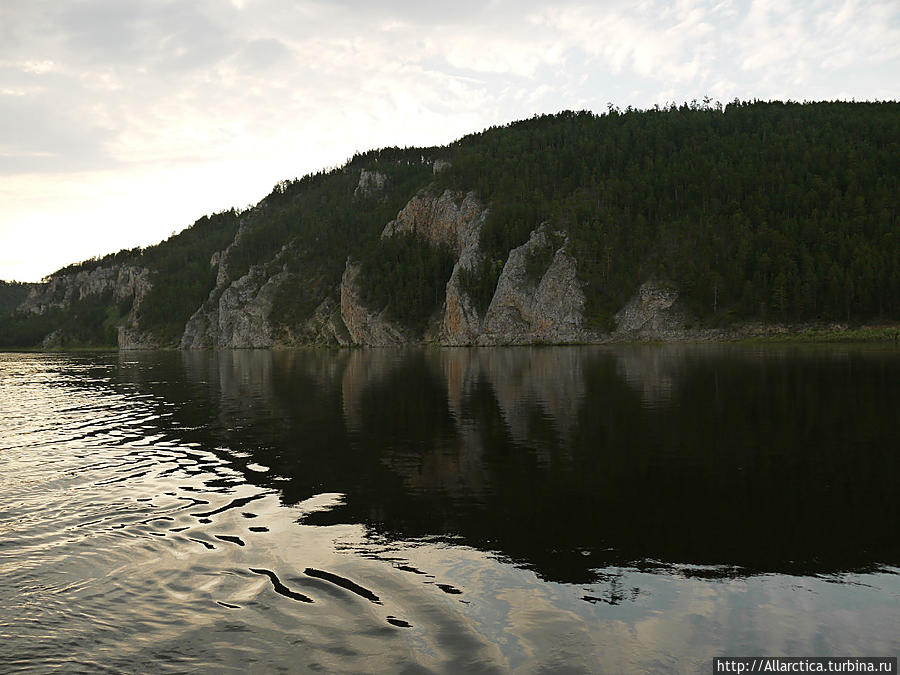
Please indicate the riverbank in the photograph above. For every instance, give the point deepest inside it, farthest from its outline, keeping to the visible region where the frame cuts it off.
(807, 333)
(831, 334)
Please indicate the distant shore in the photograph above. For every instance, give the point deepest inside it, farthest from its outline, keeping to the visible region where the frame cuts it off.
(830, 334)
(747, 334)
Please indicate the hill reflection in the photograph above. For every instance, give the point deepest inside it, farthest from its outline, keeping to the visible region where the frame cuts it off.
(568, 460)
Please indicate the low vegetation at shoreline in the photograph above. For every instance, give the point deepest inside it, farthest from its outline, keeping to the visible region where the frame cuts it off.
(858, 334)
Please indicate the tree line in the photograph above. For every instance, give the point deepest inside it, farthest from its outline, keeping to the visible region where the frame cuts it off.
(755, 210)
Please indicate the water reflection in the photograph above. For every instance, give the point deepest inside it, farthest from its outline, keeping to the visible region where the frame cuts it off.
(569, 460)
(577, 509)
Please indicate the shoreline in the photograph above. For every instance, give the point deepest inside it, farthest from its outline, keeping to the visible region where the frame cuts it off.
(885, 334)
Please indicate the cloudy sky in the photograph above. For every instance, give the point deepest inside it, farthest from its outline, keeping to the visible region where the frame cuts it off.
(122, 121)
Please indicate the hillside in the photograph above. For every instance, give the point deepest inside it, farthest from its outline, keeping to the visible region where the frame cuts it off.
(672, 223)
(11, 295)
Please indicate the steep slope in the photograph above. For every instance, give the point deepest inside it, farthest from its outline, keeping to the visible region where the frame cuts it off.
(686, 222)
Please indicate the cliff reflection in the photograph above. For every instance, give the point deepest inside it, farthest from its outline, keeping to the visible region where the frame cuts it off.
(568, 460)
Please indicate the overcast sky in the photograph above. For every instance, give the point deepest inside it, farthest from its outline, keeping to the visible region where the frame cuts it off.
(122, 121)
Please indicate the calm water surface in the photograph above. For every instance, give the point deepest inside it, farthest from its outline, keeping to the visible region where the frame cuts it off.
(474, 510)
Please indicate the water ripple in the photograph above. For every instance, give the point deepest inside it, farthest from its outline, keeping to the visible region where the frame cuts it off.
(100, 530)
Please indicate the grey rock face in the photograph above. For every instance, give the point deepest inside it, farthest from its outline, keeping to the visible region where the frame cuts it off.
(326, 325)
(525, 312)
(364, 326)
(62, 291)
(199, 332)
(454, 219)
(370, 182)
(461, 324)
(237, 315)
(653, 313)
(244, 310)
(121, 281)
(451, 218)
(324, 328)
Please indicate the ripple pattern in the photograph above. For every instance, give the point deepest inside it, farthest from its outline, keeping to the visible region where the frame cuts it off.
(125, 546)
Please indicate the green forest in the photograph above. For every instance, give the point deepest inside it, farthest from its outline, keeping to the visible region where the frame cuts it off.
(782, 211)
(763, 211)
(11, 295)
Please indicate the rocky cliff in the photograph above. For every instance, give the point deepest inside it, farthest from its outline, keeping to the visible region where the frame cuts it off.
(538, 296)
(370, 182)
(365, 326)
(122, 285)
(121, 282)
(452, 218)
(653, 313)
(236, 315)
(527, 308)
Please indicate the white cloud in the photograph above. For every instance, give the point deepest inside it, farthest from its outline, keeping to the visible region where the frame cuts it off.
(778, 39)
(137, 91)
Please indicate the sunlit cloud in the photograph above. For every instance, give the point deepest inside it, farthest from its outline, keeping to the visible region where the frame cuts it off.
(244, 93)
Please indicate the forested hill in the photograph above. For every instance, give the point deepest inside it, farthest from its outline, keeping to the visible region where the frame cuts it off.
(11, 295)
(762, 211)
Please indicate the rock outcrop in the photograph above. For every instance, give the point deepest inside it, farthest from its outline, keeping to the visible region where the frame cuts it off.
(244, 309)
(118, 283)
(370, 182)
(451, 219)
(324, 328)
(62, 291)
(454, 219)
(237, 314)
(461, 324)
(365, 326)
(653, 313)
(525, 310)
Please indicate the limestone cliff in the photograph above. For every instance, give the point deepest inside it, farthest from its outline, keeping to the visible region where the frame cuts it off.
(450, 218)
(366, 327)
(62, 291)
(324, 328)
(538, 297)
(117, 283)
(370, 182)
(526, 310)
(461, 324)
(237, 313)
(453, 218)
(653, 313)
(528, 306)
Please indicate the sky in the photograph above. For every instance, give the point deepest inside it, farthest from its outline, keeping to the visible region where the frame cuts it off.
(123, 121)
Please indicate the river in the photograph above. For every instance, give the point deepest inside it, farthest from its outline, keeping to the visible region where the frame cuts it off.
(547, 509)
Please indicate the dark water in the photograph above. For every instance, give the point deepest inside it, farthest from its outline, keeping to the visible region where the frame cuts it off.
(538, 510)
